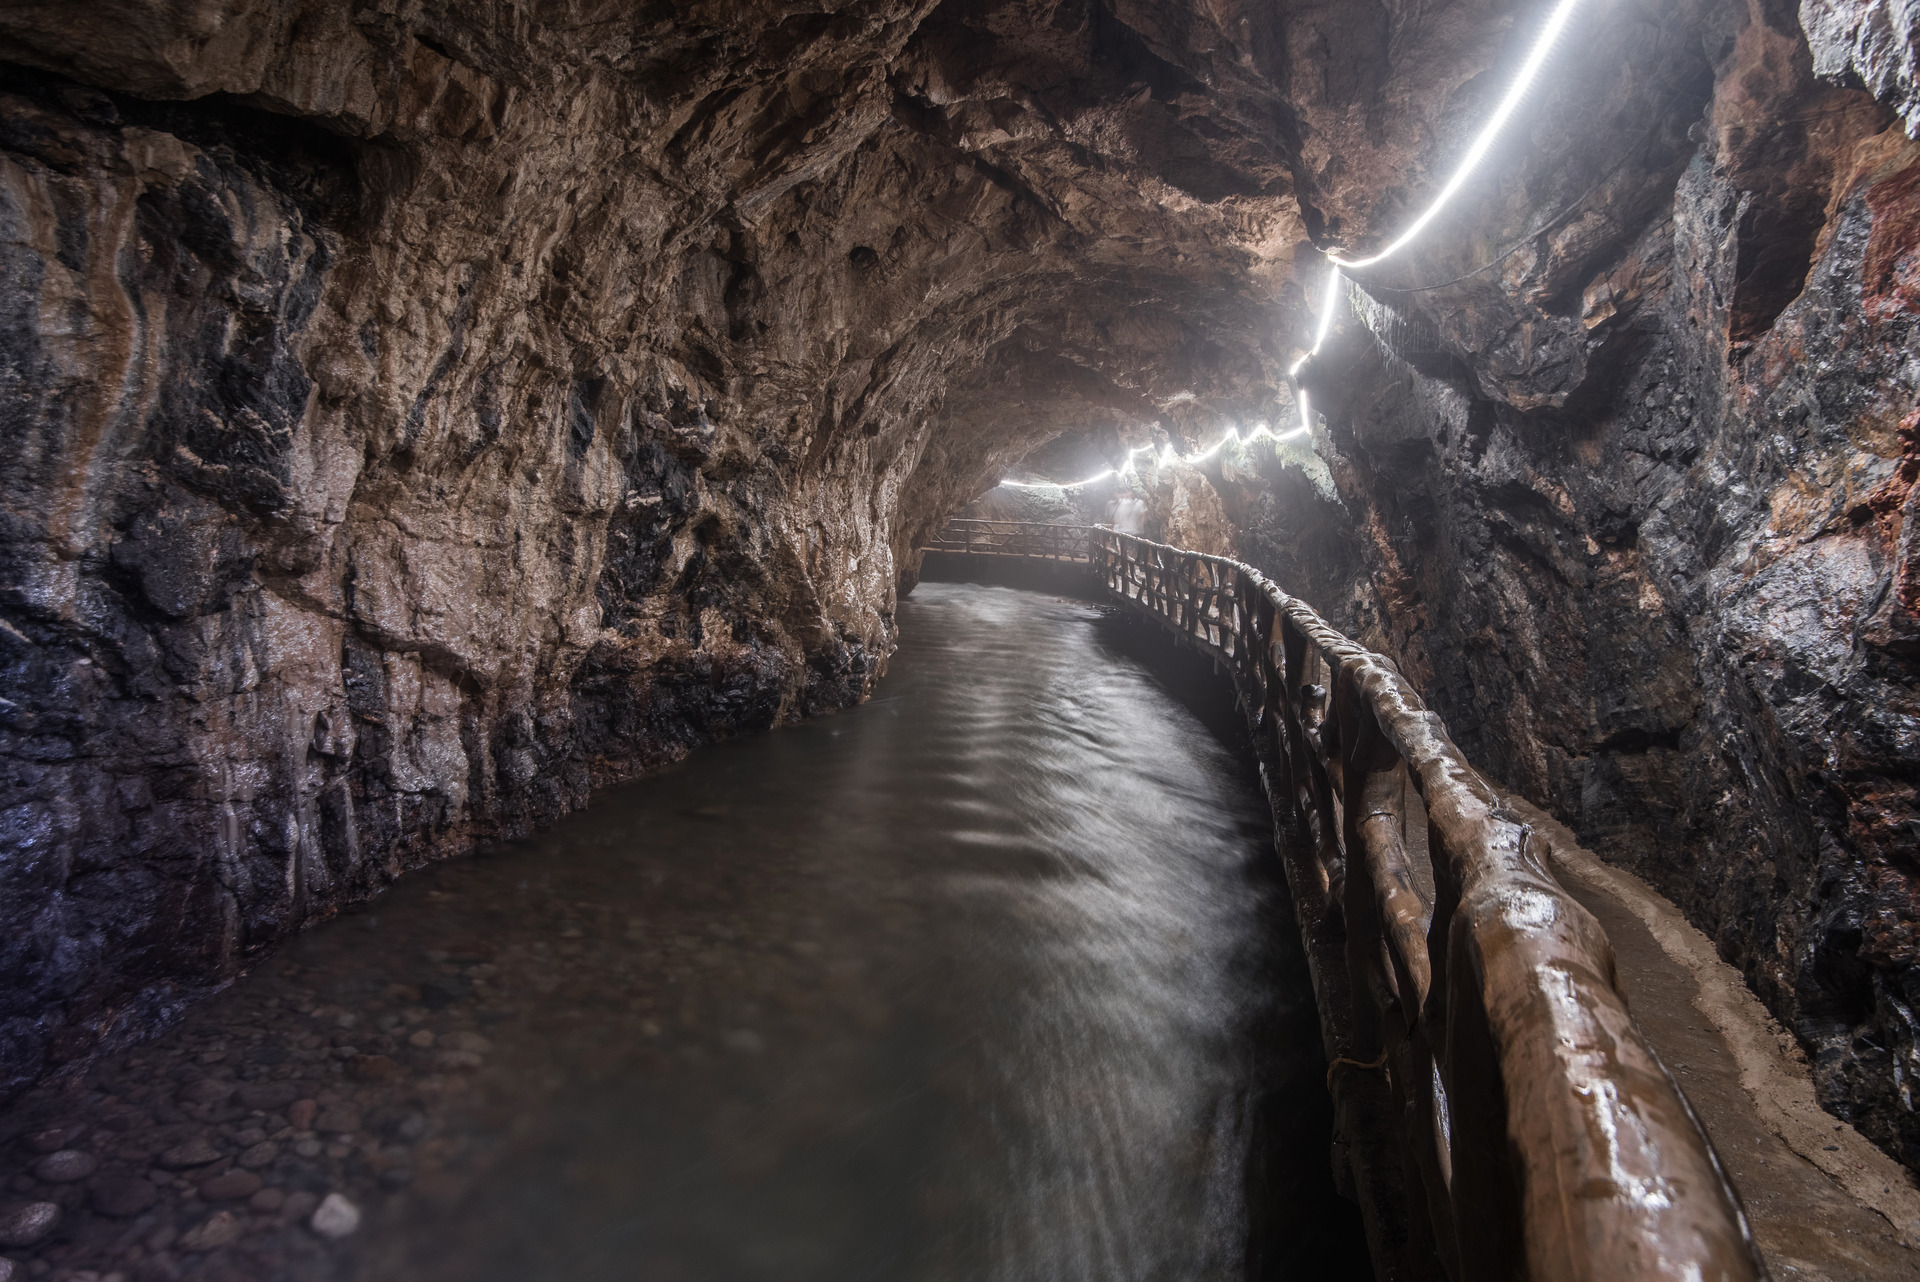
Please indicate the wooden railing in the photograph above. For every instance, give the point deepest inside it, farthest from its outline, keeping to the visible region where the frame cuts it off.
(1497, 1111)
(1033, 539)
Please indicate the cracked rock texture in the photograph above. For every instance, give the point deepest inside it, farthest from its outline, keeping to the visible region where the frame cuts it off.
(1630, 444)
(415, 414)
(1624, 462)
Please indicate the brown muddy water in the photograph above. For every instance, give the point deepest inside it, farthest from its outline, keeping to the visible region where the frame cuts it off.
(989, 979)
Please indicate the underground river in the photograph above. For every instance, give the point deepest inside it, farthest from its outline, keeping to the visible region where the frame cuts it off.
(989, 979)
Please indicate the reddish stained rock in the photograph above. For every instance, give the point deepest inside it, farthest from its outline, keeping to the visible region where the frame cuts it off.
(1890, 276)
(373, 1068)
(198, 1151)
(230, 1187)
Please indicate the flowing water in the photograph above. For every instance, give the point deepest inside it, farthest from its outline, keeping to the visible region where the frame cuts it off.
(989, 979)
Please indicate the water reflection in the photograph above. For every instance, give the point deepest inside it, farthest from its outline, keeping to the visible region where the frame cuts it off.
(982, 981)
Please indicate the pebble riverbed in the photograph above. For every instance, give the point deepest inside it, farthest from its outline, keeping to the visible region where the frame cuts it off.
(986, 979)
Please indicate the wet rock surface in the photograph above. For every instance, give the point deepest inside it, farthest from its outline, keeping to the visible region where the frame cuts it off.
(1622, 466)
(986, 978)
(1634, 501)
(413, 418)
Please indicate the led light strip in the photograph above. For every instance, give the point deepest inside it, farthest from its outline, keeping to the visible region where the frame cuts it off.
(1167, 457)
(1529, 72)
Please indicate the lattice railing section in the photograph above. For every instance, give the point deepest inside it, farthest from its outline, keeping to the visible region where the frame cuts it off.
(1034, 539)
(1498, 1112)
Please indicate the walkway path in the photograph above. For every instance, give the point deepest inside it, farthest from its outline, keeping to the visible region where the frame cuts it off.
(988, 979)
(1831, 1222)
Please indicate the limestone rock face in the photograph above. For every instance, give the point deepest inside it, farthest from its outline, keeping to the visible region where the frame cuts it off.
(1877, 44)
(414, 414)
(1623, 459)
(417, 414)
(1630, 443)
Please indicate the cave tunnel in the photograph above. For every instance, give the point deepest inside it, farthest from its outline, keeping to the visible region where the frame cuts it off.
(949, 640)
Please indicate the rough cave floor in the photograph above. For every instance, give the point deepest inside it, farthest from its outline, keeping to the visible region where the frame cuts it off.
(991, 978)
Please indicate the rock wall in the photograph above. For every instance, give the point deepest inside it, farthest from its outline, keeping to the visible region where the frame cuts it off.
(414, 414)
(1624, 459)
(1630, 442)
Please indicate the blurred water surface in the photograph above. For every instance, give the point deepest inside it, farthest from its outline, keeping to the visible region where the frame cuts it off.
(989, 979)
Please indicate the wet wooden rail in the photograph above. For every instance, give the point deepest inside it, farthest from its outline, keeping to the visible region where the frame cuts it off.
(1497, 1113)
(1035, 540)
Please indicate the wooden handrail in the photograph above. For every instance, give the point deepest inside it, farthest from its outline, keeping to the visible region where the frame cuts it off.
(1031, 539)
(1499, 1114)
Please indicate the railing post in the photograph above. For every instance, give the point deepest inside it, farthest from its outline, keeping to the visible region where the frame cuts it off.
(1389, 976)
(1471, 1132)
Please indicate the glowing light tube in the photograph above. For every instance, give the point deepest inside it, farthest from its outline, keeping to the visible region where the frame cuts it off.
(1167, 458)
(1529, 70)
(1483, 143)
(1326, 320)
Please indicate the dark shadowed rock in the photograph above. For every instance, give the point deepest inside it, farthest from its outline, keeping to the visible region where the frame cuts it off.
(198, 1151)
(23, 1224)
(230, 1187)
(373, 1068)
(268, 1097)
(258, 1155)
(122, 1195)
(207, 1090)
(55, 1137)
(65, 1166)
